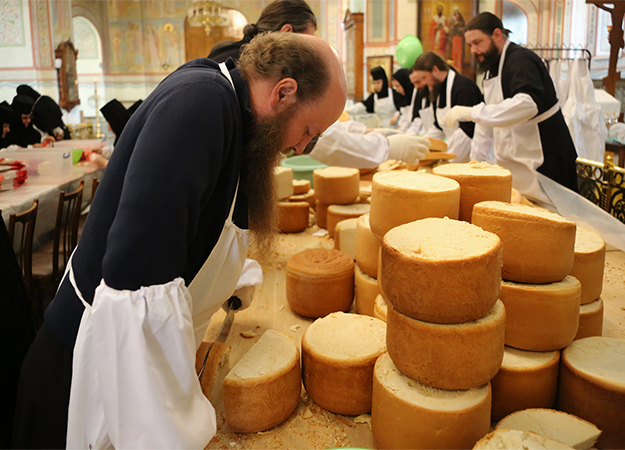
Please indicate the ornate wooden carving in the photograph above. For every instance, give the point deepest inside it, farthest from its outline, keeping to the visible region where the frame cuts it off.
(67, 76)
(353, 26)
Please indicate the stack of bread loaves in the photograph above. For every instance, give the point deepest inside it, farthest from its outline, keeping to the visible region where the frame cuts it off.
(445, 335)
(366, 270)
(334, 186)
(542, 301)
(292, 216)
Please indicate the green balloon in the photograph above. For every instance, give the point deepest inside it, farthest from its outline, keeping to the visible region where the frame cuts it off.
(408, 50)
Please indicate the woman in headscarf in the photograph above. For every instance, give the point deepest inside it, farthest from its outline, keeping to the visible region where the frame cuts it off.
(116, 115)
(402, 96)
(380, 101)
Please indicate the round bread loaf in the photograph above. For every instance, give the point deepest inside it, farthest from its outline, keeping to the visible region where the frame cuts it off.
(301, 187)
(269, 370)
(402, 197)
(380, 309)
(588, 263)
(319, 281)
(590, 319)
(336, 185)
(308, 197)
(441, 270)
(447, 356)
(503, 438)
(338, 355)
(479, 181)
(345, 236)
(525, 380)
(367, 247)
(538, 245)
(407, 414)
(337, 213)
(292, 216)
(366, 292)
(541, 317)
(365, 190)
(592, 386)
(321, 209)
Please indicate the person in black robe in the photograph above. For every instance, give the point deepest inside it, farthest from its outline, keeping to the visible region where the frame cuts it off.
(293, 16)
(196, 152)
(46, 114)
(17, 330)
(117, 116)
(402, 88)
(22, 132)
(7, 117)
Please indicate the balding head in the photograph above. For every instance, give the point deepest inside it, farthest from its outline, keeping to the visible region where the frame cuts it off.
(308, 60)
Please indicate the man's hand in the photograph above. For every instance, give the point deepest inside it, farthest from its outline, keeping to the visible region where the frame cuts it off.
(458, 114)
(408, 147)
(386, 132)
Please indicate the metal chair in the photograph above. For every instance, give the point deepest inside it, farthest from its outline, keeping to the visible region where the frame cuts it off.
(48, 271)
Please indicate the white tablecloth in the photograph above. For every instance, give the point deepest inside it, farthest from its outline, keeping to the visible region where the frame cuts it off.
(47, 191)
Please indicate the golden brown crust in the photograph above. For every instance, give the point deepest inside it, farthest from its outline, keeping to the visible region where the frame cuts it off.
(366, 292)
(590, 320)
(367, 247)
(293, 216)
(336, 185)
(459, 356)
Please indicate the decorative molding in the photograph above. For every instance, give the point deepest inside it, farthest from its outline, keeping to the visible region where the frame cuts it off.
(23, 75)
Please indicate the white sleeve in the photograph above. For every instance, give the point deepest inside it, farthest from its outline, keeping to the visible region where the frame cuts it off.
(338, 146)
(416, 126)
(460, 145)
(509, 113)
(435, 133)
(405, 118)
(134, 383)
(482, 145)
(357, 108)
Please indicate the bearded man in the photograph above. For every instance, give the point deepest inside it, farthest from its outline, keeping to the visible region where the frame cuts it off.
(165, 244)
(448, 88)
(520, 113)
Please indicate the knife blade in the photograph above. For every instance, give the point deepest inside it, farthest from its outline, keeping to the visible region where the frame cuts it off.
(234, 303)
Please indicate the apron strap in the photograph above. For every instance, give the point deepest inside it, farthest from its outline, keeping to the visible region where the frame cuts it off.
(547, 114)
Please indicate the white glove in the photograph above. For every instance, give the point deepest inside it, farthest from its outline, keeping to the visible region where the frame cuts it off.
(252, 275)
(458, 114)
(408, 147)
(386, 131)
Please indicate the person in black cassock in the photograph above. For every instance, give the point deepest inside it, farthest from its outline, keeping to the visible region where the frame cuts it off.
(291, 16)
(117, 116)
(520, 114)
(7, 117)
(46, 114)
(448, 88)
(165, 244)
(22, 132)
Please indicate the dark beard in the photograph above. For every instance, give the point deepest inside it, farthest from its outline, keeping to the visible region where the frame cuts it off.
(261, 154)
(491, 58)
(435, 91)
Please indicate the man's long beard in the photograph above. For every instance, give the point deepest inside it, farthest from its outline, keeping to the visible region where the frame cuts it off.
(491, 58)
(261, 154)
(435, 91)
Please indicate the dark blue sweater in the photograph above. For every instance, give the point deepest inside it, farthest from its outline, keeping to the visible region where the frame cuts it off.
(166, 193)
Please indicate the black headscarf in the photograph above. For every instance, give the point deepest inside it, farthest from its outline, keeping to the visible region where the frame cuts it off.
(403, 78)
(22, 104)
(7, 115)
(116, 115)
(47, 115)
(378, 73)
(24, 89)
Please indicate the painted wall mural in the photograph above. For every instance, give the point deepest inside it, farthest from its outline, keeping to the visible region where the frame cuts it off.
(85, 39)
(11, 23)
(61, 20)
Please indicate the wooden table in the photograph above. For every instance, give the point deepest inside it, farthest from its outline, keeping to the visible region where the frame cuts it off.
(311, 427)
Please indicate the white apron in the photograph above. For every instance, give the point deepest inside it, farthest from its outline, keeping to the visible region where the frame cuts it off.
(384, 108)
(138, 348)
(440, 112)
(518, 148)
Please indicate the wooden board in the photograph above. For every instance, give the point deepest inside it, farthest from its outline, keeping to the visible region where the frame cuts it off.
(311, 427)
